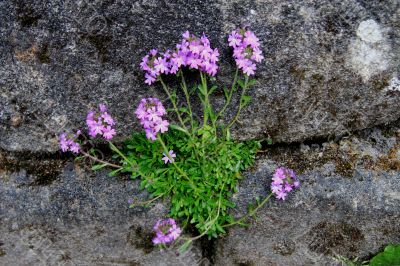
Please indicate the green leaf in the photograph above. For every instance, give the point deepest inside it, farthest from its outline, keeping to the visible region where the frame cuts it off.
(226, 93)
(251, 82)
(389, 257)
(245, 100)
(241, 83)
(184, 247)
(184, 110)
(201, 89)
(213, 88)
(176, 127)
(228, 134)
(113, 173)
(98, 166)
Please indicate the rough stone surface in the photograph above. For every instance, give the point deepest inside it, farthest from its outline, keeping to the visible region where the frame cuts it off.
(79, 219)
(327, 69)
(55, 212)
(348, 204)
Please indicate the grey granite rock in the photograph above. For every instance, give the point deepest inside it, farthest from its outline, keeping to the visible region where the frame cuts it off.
(330, 65)
(56, 212)
(348, 205)
(79, 219)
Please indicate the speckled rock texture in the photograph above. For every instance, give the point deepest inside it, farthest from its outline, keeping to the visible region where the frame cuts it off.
(54, 211)
(330, 65)
(79, 219)
(348, 204)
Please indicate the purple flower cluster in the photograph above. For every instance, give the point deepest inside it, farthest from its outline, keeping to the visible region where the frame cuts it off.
(284, 181)
(150, 112)
(192, 52)
(166, 231)
(246, 50)
(69, 143)
(100, 123)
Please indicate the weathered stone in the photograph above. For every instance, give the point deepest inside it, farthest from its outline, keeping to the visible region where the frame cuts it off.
(328, 70)
(348, 204)
(78, 219)
(55, 212)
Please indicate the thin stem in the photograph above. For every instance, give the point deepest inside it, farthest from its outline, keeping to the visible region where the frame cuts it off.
(147, 201)
(114, 148)
(173, 103)
(207, 105)
(246, 81)
(185, 90)
(251, 213)
(229, 97)
(206, 100)
(100, 161)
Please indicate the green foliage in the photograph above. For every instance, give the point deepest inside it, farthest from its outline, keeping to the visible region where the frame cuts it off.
(212, 166)
(201, 180)
(389, 257)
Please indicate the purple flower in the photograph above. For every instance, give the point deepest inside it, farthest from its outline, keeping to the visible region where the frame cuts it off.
(103, 108)
(284, 181)
(107, 119)
(166, 231)
(170, 158)
(160, 65)
(151, 134)
(150, 112)
(251, 39)
(161, 126)
(192, 52)
(69, 142)
(246, 50)
(100, 123)
(108, 132)
(74, 147)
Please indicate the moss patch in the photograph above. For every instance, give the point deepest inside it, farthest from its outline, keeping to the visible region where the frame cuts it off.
(43, 169)
(335, 238)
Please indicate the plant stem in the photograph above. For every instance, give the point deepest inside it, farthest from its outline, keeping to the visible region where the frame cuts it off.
(229, 97)
(173, 103)
(100, 161)
(185, 90)
(251, 213)
(206, 100)
(246, 81)
(114, 148)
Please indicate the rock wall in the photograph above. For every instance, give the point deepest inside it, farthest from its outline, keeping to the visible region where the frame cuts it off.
(348, 204)
(331, 66)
